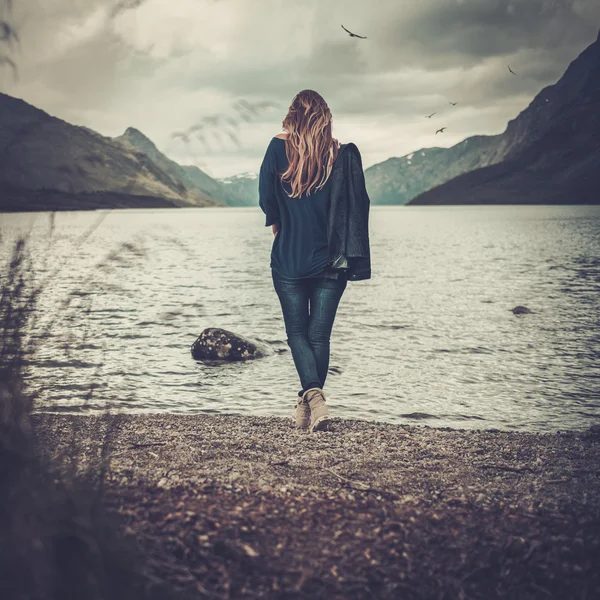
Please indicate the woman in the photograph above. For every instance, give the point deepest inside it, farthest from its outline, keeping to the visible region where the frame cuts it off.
(313, 194)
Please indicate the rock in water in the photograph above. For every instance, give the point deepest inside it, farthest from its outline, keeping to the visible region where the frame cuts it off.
(220, 345)
(521, 310)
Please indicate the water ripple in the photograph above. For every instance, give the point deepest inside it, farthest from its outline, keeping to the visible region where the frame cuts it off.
(430, 338)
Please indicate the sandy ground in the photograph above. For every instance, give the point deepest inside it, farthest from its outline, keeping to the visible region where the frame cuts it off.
(250, 507)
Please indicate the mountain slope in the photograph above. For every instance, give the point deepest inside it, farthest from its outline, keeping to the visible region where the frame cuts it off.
(39, 152)
(398, 180)
(243, 187)
(194, 179)
(550, 152)
(18, 199)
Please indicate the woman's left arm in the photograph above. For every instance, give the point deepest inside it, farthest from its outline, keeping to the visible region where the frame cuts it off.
(267, 197)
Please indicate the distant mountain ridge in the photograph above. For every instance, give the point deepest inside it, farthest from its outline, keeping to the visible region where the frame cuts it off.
(418, 177)
(42, 152)
(18, 199)
(46, 159)
(550, 153)
(193, 178)
(243, 187)
(399, 180)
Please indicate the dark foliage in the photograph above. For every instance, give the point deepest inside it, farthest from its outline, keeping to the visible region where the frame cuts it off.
(57, 540)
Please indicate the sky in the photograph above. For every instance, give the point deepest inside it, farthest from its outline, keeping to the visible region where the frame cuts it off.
(224, 72)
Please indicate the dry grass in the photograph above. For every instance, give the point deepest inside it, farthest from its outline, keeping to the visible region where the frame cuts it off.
(57, 540)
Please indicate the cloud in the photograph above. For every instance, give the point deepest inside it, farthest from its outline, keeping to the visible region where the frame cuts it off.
(163, 65)
(442, 34)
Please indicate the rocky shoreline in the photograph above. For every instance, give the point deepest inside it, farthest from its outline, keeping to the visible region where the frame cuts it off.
(250, 507)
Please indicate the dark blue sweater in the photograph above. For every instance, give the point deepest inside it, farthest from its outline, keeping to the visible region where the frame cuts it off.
(300, 248)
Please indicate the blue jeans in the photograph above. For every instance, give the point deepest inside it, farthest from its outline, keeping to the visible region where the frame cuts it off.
(309, 307)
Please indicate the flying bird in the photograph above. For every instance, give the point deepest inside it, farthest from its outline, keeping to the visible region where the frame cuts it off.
(362, 37)
(429, 116)
(453, 103)
(440, 130)
(511, 70)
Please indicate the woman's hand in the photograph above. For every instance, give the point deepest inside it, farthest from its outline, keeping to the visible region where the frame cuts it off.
(276, 227)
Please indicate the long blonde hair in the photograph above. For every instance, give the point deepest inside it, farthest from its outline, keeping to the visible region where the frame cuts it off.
(310, 148)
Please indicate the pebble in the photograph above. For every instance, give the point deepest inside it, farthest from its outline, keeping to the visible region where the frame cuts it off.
(357, 459)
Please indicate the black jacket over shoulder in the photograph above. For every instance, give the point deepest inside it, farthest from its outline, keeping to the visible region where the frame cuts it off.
(348, 217)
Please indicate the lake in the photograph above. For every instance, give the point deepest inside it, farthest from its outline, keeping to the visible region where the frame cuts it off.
(430, 339)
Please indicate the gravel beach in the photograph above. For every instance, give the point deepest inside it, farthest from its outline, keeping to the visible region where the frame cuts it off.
(250, 507)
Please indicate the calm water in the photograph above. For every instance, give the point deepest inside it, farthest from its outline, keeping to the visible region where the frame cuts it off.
(432, 332)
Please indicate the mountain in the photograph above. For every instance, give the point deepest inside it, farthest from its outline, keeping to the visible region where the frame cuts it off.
(550, 153)
(18, 199)
(42, 152)
(415, 178)
(196, 181)
(399, 180)
(243, 187)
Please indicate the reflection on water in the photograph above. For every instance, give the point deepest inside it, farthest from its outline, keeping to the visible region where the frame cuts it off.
(430, 339)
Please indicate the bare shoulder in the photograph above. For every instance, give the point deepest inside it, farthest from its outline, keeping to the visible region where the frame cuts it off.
(282, 136)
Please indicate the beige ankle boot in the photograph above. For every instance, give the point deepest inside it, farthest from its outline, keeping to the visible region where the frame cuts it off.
(319, 413)
(302, 413)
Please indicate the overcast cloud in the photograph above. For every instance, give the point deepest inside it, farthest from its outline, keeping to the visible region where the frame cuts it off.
(164, 65)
